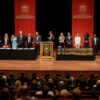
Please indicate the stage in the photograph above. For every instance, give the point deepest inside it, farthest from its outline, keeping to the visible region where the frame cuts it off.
(47, 65)
(42, 67)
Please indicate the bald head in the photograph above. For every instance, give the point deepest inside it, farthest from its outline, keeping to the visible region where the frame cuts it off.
(24, 89)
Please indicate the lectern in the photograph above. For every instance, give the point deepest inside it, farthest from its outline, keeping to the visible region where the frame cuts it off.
(46, 50)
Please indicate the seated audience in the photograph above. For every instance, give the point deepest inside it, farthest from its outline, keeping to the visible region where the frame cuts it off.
(76, 94)
(96, 87)
(24, 94)
(47, 86)
(5, 95)
(91, 80)
(24, 80)
(65, 93)
(11, 80)
(45, 92)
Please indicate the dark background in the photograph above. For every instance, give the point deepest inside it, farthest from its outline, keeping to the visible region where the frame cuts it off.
(51, 15)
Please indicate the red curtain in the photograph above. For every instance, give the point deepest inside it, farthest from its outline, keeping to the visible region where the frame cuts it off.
(82, 18)
(25, 19)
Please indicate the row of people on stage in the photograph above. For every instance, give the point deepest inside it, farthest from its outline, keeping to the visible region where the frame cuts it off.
(21, 39)
(69, 40)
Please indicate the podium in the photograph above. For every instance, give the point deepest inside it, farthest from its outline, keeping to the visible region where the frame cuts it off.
(46, 50)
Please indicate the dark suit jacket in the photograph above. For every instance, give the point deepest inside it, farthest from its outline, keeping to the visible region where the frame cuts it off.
(93, 42)
(69, 40)
(4, 41)
(19, 41)
(31, 40)
(35, 38)
(52, 38)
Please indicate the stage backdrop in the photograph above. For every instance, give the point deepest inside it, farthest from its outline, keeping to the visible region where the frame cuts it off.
(82, 18)
(25, 16)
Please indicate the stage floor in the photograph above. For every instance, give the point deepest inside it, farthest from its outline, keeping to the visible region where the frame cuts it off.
(47, 65)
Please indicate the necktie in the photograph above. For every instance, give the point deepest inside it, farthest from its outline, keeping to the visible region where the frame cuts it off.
(37, 38)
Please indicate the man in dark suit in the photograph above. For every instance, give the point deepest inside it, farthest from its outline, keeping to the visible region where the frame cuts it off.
(21, 40)
(95, 42)
(69, 40)
(37, 40)
(29, 40)
(0, 41)
(51, 36)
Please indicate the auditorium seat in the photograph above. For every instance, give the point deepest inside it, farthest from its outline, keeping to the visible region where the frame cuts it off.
(45, 99)
(88, 99)
(63, 98)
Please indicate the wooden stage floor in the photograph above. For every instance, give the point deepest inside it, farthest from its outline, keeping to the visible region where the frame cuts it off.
(46, 65)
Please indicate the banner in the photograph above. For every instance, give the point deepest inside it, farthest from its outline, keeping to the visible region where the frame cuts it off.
(82, 18)
(25, 19)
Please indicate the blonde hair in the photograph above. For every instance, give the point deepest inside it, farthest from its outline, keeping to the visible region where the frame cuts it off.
(17, 85)
(12, 37)
(6, 35)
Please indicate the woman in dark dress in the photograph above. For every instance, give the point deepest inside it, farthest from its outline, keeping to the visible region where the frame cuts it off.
(86, 40)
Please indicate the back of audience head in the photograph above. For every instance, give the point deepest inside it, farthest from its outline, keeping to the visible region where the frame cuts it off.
(5, 94)
(65, 93)
(76, 94)
(98, 83)
(24, 90)
(17, 85)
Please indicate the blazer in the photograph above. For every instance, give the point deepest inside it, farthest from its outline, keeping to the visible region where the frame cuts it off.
(19, 41)
(93, 41)
(69, 40)
(39, 38)
(31, 39)
(52, 38)
(7, 41)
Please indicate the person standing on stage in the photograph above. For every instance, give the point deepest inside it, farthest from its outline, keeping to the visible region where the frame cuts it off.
(86, 40)
(95, 42)
(37, 40)
(0, 41)
(29, 40)
(69, 40)
(61, 40)
(51, 36)
(6, 41)
(21, 40)
(77, 41)
(14, 42)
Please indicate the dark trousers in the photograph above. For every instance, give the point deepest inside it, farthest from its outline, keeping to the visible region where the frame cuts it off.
(61, 44)
(37, 48)
(21, 46)
(95, 48)
(86, 45)
(69, 45)
(29, 45)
